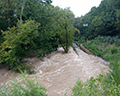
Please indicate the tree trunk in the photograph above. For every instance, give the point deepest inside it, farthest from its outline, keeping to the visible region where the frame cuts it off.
(8, 13)
(66, 38)
(22, 9)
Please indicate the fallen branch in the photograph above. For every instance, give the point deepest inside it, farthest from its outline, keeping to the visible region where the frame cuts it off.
(83, 48)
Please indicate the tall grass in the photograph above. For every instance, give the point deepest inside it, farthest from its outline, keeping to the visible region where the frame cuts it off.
(23, 86)
(109, 49)
(96, 87)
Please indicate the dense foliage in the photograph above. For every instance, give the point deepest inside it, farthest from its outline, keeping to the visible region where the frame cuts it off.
(103, 20)
(101, 37)
(108, 48)
(32, 26)
(17, 43)
(96, 87)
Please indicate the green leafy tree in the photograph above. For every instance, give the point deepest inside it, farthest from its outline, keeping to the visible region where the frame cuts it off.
(64, 27)
(18, 42)
(102, 20)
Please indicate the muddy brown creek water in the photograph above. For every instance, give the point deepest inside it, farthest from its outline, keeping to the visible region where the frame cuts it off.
(60, 71)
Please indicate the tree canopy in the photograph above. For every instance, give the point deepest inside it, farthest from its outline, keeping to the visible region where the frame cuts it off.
(102, 20)
(33, 26)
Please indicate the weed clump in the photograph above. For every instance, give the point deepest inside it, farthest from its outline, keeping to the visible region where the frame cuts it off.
(23, 86)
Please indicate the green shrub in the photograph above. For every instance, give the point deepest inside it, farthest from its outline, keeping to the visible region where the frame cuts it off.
(94, 49)
(108, 57)
(80, 41)
(106, 39)
(118, 43)
(109, 53)
(23, 87)
(23, 67)
(115, 67)
(18, 43)
(39, 53)
(1, 39)
(114, 50)
(96, 87)
(107, 50)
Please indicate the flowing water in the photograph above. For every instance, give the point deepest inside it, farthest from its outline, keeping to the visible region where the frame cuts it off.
(60, 71)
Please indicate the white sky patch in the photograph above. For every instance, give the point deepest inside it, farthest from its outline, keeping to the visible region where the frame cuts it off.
(78, 7)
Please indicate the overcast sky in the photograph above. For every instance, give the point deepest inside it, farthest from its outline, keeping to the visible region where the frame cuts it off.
(78, 7)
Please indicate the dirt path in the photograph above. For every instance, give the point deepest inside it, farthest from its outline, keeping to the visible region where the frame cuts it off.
(59, 71)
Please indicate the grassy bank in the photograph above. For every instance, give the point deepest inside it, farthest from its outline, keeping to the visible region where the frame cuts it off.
(109, 49)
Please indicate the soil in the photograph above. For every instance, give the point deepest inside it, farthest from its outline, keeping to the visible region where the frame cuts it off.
(57, 72)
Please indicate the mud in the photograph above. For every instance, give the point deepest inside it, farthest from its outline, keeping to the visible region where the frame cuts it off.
(60, 71)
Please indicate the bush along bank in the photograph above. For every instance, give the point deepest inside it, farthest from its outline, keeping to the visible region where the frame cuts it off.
(108, 85)
(23, 86)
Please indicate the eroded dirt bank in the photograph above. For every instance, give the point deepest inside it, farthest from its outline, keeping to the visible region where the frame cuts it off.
(59, 71)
